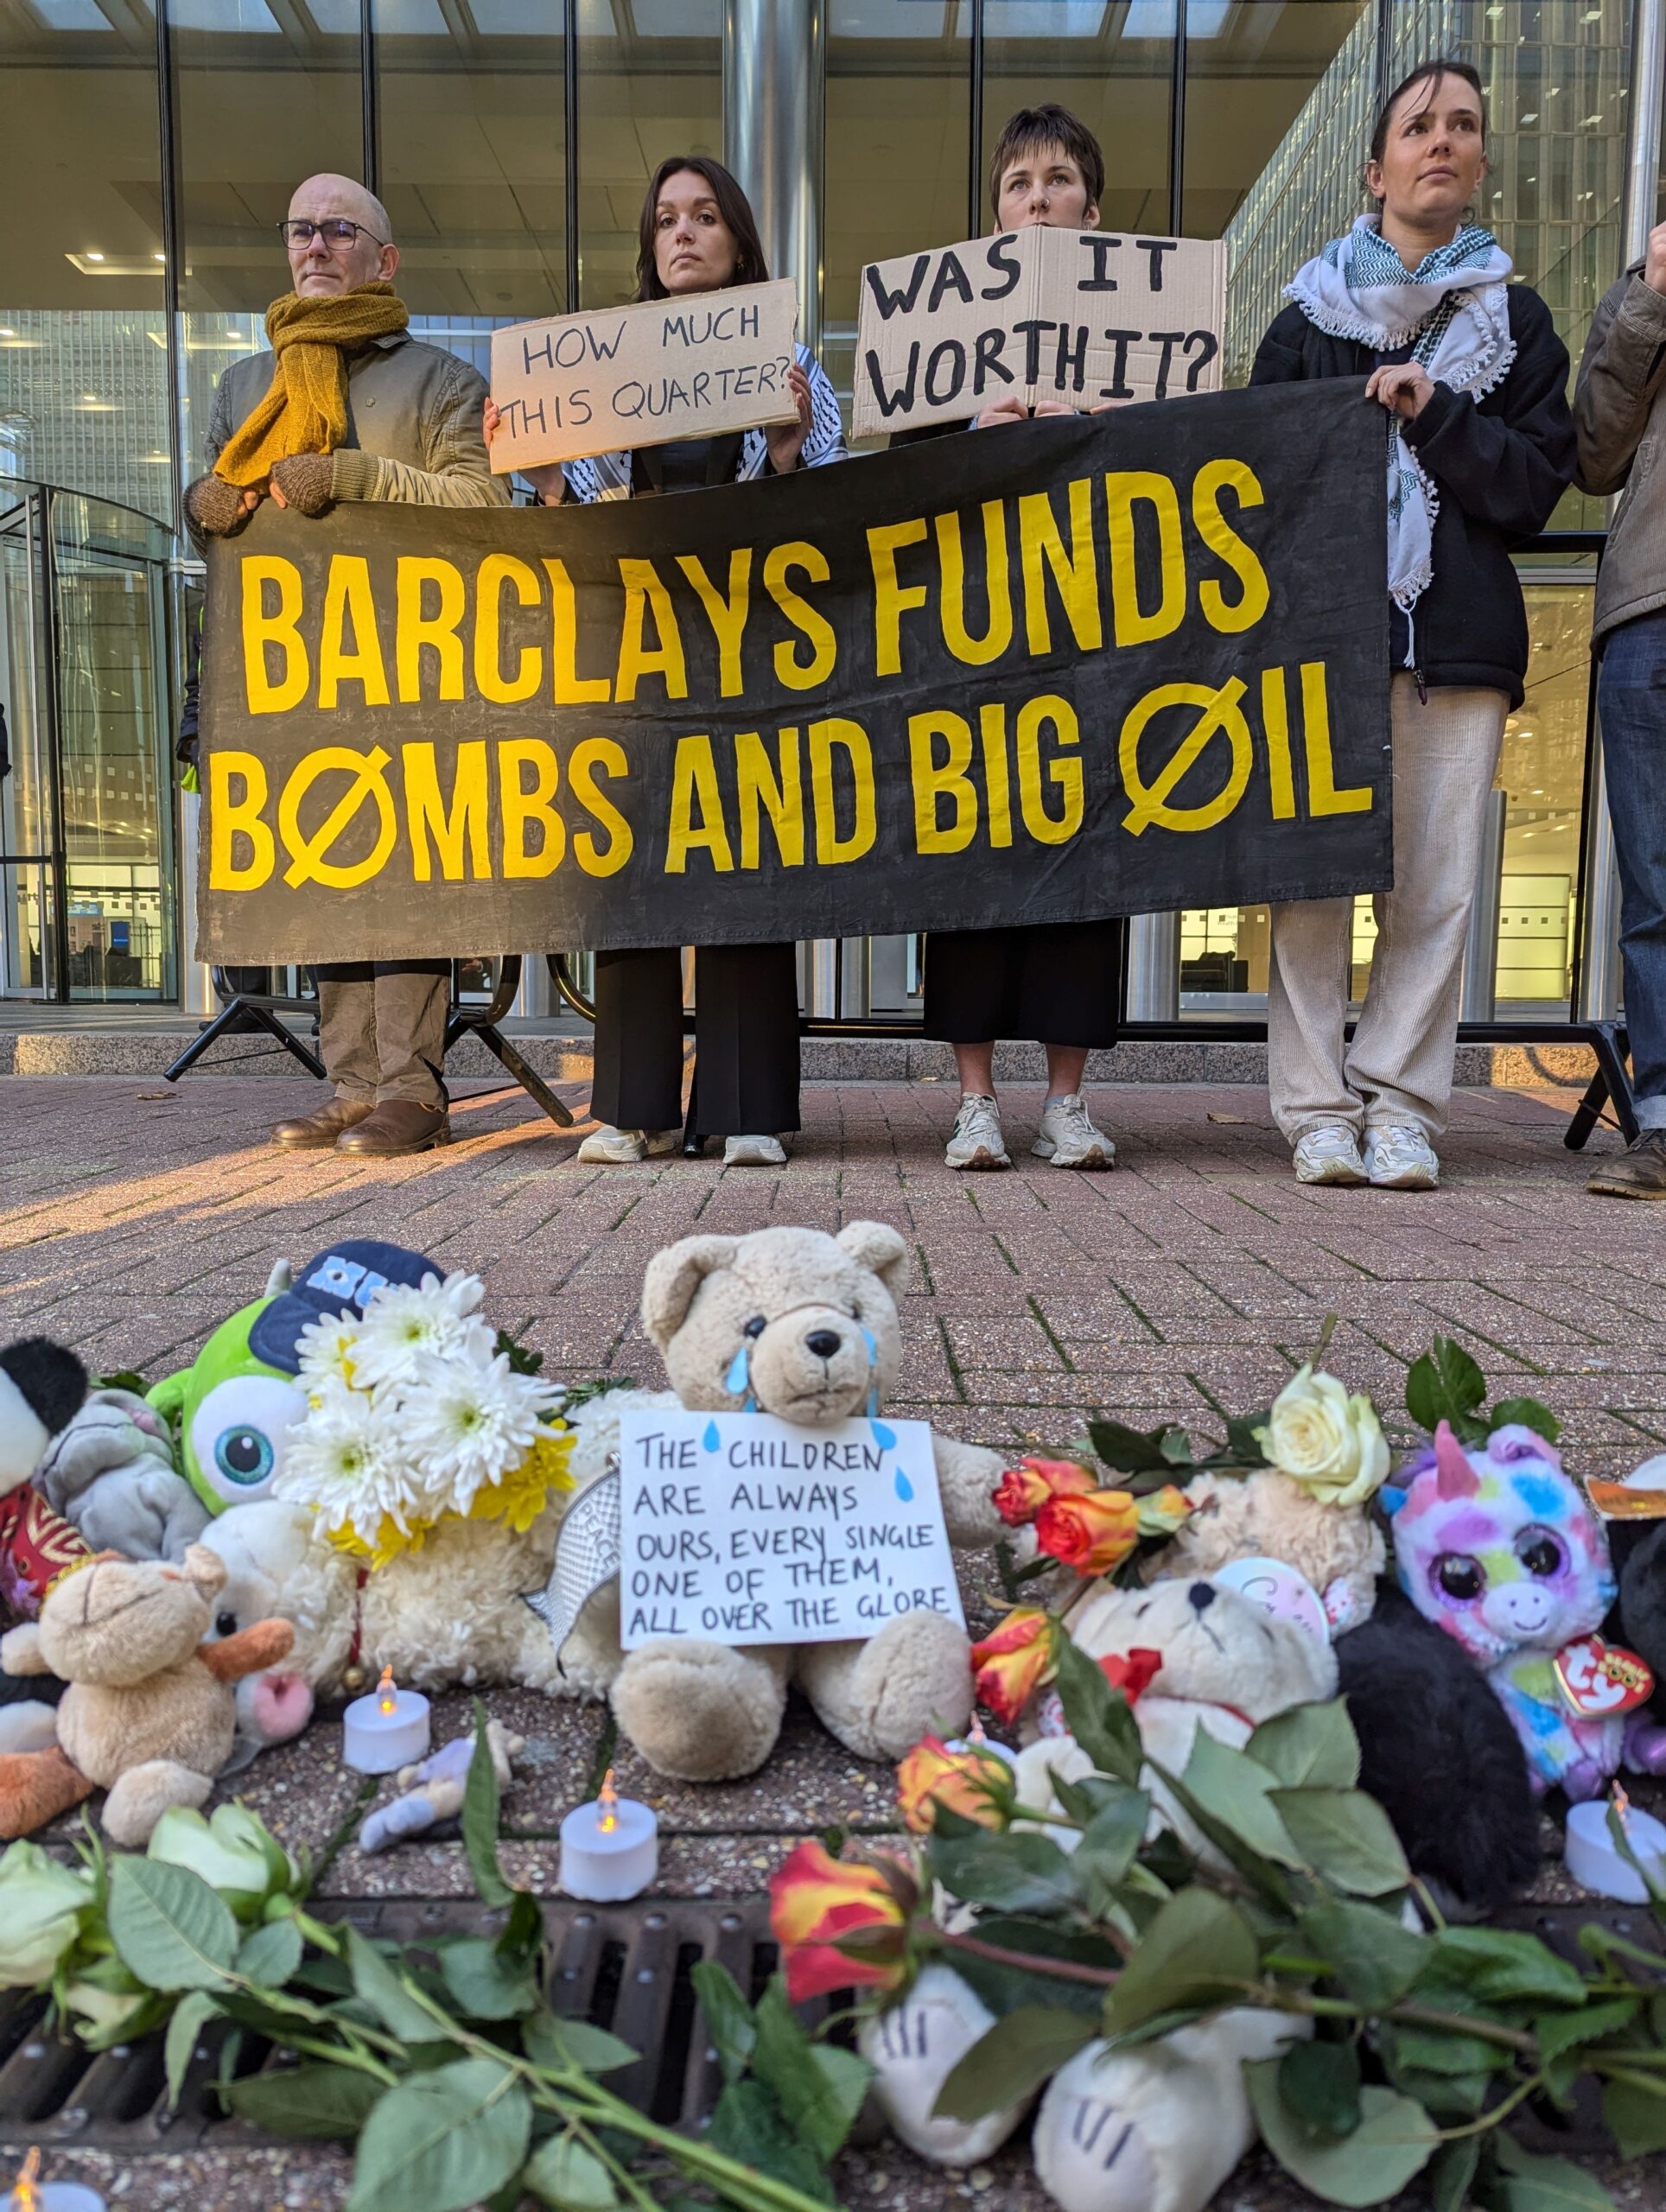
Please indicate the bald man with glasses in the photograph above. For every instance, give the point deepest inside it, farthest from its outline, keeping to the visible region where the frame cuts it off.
(348, 405)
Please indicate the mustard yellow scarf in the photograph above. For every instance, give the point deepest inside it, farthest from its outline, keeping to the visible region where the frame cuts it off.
(305, 409)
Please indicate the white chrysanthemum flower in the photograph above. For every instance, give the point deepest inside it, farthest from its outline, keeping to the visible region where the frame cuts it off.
(344, 1460)
(404, 1328)
(327, 1349)
(469, 1426)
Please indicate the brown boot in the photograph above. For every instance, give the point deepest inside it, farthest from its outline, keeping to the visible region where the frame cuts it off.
(1639, 1173)
(398, 1125)
(317, 1131)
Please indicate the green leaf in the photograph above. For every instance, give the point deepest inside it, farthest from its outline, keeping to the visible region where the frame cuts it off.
(1011, 2059)
(1309, 1747)
(1527, 1413)
(191, 2015)
(380, 1987)
(1452, 2173)
(1004, 1988)
(171, 1929)
(1394, 2141)
(1128, 1451)
(1198, 1950)
(1098, 1717)
(1345, 1836)
(1505, 1966)
(479, 1821)
(730, 2024)
(1533, 2185)
(441, 2140)
(488, 1986)
(1444, 1384)
(1560, 2031)
(747, 2125)
(321, 2104)
(569, 2174)
(1235, 1789)
(1634, 2106)
(1319, 2083)
(1374, 1958)
(521, 1937)
(1440, 2051)
(549, 2040)
(819, 2103)
(1115, 1829)
(1021, 1873)
(271, 1954)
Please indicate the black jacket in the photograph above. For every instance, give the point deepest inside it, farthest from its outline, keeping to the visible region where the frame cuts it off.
(1500, 466)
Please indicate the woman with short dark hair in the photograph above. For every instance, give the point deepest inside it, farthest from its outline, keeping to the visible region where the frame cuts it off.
(698, 234)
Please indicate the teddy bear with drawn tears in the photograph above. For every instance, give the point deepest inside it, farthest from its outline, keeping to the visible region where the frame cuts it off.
(807, 1326)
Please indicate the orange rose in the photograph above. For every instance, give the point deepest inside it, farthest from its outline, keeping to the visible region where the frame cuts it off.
(1091, 1533)
(815, 1901)
(1025, 1489)
(1012, 1663)
(977, 1783)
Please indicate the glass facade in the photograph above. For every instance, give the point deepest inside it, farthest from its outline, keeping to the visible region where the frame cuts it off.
(511, 140)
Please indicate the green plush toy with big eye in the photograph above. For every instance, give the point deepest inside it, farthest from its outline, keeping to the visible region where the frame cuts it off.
(232, 1408)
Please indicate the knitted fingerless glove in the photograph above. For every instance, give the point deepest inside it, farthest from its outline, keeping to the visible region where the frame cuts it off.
(304, 480)
(215, 506)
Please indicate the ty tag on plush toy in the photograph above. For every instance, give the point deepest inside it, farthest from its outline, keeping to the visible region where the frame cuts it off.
(1602, 1680)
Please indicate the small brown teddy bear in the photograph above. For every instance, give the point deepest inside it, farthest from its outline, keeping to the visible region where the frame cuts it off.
(149, 1714)
(1268, 1515)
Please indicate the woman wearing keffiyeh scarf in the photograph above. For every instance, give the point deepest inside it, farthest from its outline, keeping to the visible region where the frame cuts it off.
(1477, 448)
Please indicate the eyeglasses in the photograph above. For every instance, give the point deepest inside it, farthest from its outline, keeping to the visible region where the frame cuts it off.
(335, 230)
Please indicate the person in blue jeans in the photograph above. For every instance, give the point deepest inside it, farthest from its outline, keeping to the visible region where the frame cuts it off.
(1619, 411)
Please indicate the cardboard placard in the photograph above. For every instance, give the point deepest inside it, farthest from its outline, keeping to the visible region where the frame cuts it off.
(741, 1529)
(686, 367)
(1039, 314)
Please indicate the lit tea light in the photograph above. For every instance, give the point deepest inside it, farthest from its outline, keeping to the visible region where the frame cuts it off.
(385, 1729)
(1593, 1859)
(30, 2194)
(609, 1847)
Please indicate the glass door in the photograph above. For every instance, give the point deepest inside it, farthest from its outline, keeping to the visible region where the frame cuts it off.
(26, 828)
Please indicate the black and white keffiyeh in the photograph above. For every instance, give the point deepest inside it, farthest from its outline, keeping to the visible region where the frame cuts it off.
(1453, 311)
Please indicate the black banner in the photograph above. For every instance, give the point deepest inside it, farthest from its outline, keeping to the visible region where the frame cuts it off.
(1113, 664)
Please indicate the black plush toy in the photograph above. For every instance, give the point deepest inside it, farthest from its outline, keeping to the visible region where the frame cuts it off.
(43, 1386)
(1638, 1620)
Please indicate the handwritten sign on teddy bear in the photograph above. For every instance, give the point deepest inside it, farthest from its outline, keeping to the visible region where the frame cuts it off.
(752, 1530)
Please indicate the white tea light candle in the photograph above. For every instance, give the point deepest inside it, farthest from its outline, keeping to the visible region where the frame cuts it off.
(609, 1847)
(30, 2194)
(386, 1730)
(1592, 1858)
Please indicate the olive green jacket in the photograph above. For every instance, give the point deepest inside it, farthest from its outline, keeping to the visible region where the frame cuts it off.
(1619, 413)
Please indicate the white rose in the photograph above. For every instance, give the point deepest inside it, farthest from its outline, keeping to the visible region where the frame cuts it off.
(1329, 1442)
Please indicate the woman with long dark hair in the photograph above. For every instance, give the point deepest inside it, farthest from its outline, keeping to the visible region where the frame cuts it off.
(1479, 447)
(698, 234)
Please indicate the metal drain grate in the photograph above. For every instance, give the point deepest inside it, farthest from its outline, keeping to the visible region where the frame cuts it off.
(625, 1968)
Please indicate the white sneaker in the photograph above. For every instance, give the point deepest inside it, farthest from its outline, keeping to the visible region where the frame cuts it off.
(1329, 1153)
(1068, 1137)
(611, 1148)
(1399, 1157)
(976, 1140)
(753, 1152)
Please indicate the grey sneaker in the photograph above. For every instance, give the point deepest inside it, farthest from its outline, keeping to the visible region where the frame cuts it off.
(753, 1152)
(976, 1140)
(1399, 1157)
(1639, 1173)
(1068, 1136)
(1329, 1153)
(610, 1148)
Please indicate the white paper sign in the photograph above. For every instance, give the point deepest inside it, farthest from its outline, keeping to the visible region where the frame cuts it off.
(741, 1529)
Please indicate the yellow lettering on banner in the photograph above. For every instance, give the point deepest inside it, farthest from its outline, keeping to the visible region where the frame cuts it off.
(599, 756)
(426, 812)
(1220, 711)
(762, 791)
(497, 570)
(1323, 797)
(644, 594)
(1126, 489)
(852, 738)
(1218, 535)
(727, 616)
(997, 784)
(1074, 572)
(413, 629)
(230, 818)
(281, 628)
(976, 652)
(523, 805)
(800, 675)
(307, 861)
(694, 780)
(570, 688)
(1065, 776)
(934, 780)
(892, 600)
(1276, 720)
(348, 598)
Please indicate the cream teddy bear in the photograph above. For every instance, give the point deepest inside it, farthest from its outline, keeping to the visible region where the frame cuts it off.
(1266, 1514)
(806, 1308)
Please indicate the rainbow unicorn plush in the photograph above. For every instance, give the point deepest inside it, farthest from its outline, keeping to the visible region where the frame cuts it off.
(1499, 1547)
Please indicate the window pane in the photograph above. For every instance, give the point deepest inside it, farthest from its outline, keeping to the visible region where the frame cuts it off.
(1541, 774)
(1113, 68)
(82, 369)
(649, 84)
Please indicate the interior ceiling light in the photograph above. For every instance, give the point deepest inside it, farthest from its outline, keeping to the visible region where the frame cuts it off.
(94, 256)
